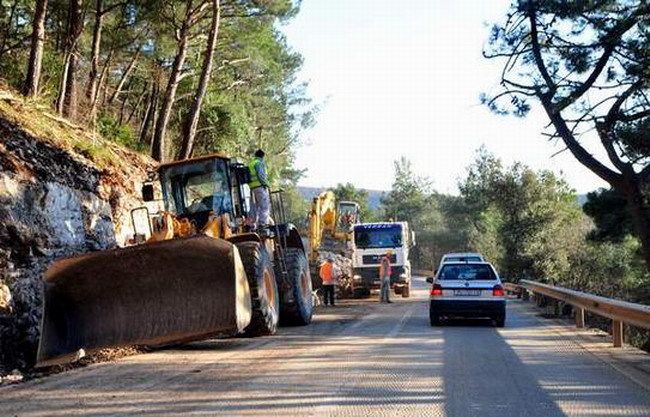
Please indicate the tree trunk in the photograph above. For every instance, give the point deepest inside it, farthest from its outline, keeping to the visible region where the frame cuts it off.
(149, 115)
(192, 121)
(124, 78)
(123, 109)
(158, 142)
(70, 96)
(137, 104)
(62, 85)
(640, 213)
(93, 75)
(67, 102)
(34, 66)
(100, 86)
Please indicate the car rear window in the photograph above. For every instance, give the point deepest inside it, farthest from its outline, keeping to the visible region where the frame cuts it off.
(463, 259)
(469, 272)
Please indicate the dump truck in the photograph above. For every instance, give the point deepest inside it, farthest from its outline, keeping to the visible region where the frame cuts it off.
(199, 271)
(371, 241)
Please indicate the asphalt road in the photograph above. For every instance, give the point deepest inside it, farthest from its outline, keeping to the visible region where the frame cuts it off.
(360, 358)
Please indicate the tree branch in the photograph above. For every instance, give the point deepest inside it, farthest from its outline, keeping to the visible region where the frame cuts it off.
(580, 153)
(610, 40)
(537, 53)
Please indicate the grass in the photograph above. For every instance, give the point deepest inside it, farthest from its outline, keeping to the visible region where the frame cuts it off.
(40, 121)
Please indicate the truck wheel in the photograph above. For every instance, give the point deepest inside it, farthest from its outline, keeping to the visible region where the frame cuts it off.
(300, 311)
(406, 290)
(361, 292)
(264, 289)
(398, 289)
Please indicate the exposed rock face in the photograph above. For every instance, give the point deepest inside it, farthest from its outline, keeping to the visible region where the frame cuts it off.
(53, 203)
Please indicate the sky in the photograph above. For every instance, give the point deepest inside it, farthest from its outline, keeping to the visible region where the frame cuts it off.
(403, 78)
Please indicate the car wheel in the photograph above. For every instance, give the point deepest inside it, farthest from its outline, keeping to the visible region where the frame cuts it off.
(435, 320)
(500, 321)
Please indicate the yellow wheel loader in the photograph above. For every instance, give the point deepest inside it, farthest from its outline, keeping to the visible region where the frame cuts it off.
(198, 273)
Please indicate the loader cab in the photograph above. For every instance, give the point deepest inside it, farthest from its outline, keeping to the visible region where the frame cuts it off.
(194, 189)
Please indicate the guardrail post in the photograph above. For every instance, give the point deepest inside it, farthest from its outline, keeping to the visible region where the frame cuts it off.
(617, 333)
(580, 317)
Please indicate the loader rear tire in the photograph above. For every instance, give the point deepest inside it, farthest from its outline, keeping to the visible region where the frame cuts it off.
(263, 287)
(300, 311)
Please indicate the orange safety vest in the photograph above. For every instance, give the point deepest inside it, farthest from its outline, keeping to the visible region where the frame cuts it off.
(327, 273)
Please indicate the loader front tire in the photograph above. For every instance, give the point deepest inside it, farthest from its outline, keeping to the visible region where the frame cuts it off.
(299, 311)
(263, 287)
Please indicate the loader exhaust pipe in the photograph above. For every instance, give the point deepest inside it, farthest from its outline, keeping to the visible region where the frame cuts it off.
(152, 294)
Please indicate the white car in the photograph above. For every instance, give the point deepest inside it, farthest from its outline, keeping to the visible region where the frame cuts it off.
(467, 289)
(461, 257)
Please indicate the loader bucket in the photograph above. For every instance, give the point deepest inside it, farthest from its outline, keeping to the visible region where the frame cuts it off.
(152, 294)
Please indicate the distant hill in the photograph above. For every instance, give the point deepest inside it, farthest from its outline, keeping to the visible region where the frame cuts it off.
(374, 196)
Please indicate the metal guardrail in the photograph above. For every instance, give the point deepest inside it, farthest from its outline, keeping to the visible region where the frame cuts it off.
(618, 311)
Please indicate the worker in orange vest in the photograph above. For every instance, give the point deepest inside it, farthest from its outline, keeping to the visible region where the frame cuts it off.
(328, 275)
(385, 271)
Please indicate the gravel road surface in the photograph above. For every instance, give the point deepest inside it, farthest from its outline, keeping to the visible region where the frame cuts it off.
(359, 358)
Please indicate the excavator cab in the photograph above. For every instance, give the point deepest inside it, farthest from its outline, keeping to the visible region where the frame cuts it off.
(349, 214)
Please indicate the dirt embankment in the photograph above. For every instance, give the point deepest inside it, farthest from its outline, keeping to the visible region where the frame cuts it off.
(63, 191)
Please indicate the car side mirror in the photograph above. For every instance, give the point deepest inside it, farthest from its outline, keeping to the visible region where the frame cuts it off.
(430, 280)
(147, 192)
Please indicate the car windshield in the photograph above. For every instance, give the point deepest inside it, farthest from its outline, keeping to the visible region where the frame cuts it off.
(468, 272)
(462, 259)
(378, 236)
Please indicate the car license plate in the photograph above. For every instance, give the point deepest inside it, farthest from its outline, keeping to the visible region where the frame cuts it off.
(377, 282)
(467, 292)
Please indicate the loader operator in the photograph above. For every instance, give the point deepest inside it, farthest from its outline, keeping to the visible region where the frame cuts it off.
(259, 185)
(385, 271)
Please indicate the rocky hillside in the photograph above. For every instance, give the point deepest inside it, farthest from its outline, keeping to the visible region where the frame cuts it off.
(63, 191)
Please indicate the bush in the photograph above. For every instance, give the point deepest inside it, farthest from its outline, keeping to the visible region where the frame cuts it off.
(110, 129)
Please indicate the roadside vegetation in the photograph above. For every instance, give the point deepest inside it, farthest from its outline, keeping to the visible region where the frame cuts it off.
(171, 79)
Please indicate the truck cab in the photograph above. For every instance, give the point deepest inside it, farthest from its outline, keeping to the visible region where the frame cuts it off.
(370, 242)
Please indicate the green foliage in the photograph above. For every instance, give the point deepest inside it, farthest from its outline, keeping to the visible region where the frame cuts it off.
(111, 129)
(608, 209)
(526, 222)
(297, 208)
(348, 192)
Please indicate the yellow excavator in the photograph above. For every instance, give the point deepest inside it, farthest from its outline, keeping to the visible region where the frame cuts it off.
(330, 230)
(198, 272)
(330, 224)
